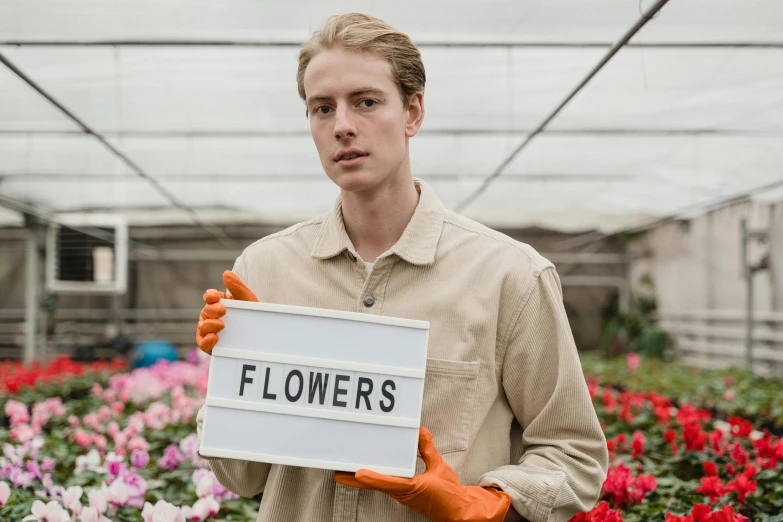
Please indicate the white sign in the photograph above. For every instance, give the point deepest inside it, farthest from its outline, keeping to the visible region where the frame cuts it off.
(316, 388)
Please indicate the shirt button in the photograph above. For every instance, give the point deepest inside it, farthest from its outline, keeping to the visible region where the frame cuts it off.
(369, 301)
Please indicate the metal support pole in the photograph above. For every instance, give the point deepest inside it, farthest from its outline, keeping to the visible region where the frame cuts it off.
(748, 270)
(31, 296)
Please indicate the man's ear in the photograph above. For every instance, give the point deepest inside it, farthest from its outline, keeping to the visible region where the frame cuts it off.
(414, 114)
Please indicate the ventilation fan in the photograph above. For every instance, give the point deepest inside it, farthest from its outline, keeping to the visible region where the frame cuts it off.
(87, 253)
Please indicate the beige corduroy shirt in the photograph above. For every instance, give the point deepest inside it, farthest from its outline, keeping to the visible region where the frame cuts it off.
(504, 394)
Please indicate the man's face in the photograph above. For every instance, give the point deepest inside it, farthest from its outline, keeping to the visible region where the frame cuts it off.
(355, 110)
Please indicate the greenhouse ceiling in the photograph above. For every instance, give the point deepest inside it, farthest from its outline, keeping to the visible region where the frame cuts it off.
(198, 107)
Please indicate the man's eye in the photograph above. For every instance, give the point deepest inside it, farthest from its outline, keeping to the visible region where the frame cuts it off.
(322, 109)
(368, 103)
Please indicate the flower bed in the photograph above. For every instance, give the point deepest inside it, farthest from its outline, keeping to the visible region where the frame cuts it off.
(61, 377)
(731, 392)
(126, 451)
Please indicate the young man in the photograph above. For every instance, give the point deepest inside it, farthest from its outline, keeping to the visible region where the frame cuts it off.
(510, 428)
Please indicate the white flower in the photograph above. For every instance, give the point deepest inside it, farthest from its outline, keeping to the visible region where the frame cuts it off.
(51, 512)
(205, 507)
(91, 514)
(204, 487)
(99, 499)
(91, 461)
(162, 511)
(5, 492)
(118, 493)
(72, 498)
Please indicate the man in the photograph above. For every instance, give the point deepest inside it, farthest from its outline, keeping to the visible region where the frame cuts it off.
(510, 428)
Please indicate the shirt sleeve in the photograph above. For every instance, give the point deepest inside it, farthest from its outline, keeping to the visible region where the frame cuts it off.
(243, 477)
(565, 458)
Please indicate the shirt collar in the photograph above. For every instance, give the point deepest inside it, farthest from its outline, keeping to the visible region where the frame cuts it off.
(418, 242)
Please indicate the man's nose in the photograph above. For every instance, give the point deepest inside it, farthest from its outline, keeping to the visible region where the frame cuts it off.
(343, 123)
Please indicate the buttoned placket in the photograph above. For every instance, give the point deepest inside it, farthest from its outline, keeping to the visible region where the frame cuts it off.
(373, 285)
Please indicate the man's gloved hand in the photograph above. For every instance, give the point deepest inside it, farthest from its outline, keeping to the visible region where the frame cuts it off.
(209, 322)
(436, 493)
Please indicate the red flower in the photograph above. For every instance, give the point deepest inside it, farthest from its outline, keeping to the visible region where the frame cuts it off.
(743, 486)
(670, 435)
(701, 512)
(750, 471)
(694, 437)
(710, 468)
(727, 515)
(740, 427)
(611, 445)
(637, 444)
(600, 513)
(670, 517)
(715, 441)
(712, 487)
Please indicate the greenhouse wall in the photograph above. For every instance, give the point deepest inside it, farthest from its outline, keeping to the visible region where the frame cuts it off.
(696, 268)
(165, 296)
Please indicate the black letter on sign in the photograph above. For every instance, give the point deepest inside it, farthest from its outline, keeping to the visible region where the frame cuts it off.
(321, 382)
(268, 395)
(388, 395)
(339, 391)
(294, 398)
(364, 393)
(245, 378)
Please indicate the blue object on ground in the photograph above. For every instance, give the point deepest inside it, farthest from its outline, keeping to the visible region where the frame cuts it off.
(147, 353)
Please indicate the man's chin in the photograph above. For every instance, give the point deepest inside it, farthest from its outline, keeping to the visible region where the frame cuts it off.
(352, 181)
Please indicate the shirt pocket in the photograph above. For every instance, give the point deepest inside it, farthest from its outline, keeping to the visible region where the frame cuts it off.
(449, 398)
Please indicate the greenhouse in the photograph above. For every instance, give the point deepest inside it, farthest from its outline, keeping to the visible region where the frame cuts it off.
(146, 148)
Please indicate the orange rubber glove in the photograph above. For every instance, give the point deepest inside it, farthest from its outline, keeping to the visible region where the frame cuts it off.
(436, 493)
(209, 322)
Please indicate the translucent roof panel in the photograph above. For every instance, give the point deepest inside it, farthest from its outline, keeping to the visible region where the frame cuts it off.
(435, 20)
(690, 113)
(22, 109)
(707, 89)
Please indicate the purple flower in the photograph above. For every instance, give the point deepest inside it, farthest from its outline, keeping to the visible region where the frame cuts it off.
(171, 457)
(140, 458)
(114, 467)
(47, 464)
(21, 479)
(32, 467)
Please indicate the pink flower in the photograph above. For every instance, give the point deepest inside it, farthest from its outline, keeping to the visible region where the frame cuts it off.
(162, 511)
(17, 412)
(138, 443)
(22, 433)
(82, 438)
(97, 390)
(137, 489)
(91, 421)
(728, 395)
(5, 492)
(633, 360)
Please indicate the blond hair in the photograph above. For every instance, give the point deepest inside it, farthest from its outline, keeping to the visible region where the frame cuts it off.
(361, 32)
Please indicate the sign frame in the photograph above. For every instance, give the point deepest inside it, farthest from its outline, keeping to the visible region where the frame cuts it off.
(406, 427)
